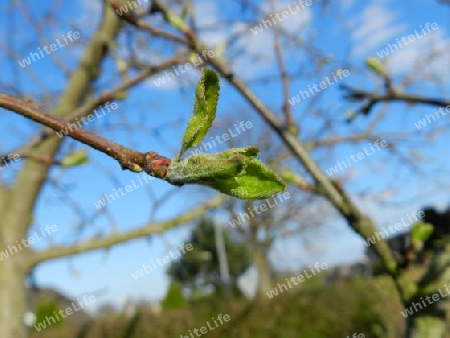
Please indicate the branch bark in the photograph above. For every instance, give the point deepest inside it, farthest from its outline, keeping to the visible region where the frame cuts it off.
(392, 95)
(152, 163)
(149, 229)
(106, 96)
(128, 158)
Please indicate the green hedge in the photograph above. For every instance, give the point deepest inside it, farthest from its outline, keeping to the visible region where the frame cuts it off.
(361, 306)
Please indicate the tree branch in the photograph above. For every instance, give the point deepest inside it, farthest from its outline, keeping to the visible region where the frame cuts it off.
(149, 229)
(374, 98)
(150, 162)
(136, 21)
(128, 158)
(284, 76)
(106, 96)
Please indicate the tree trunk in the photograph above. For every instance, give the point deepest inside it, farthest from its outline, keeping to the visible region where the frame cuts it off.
(263, 268)
(12, 292)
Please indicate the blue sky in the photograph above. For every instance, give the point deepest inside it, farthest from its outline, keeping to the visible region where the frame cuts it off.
(348, 32)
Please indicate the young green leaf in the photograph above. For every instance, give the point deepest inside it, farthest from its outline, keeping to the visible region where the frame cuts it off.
(77, 157)
(234, 172)
(256, 183)
(201, 169)
(174, 20)
(248, 153)
(420, 232)
(206, 97)
(375, 64)
(288, 175)
(184, 12)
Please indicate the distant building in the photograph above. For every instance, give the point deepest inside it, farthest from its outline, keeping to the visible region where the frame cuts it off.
(347, 272)
(399, 245)
(129, 308)
(156, 308)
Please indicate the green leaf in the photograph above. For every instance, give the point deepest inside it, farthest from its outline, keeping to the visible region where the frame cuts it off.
(288, 175)
(420, 232)
(256, 183)
(206, 97)
(174, 20)
(184, 12)
(234, 172)
(248, 153)
(77, 157)
(200, 169)
(375, 64)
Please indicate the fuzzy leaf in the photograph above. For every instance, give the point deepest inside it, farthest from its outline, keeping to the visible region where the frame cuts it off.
(201, 169)
(248, 153)
(256, 183)
(234, 172)
(206, 97)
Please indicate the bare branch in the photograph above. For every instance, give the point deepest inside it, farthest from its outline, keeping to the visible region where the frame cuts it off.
(149, 229)
(128, 158)
(374, 98)
(285, 80)
(106, 96)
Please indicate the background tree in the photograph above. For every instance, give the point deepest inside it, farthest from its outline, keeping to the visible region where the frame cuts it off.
(174, 298)
(199, 268)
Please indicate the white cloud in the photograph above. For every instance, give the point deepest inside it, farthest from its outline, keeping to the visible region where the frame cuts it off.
(418, 51)
(166, 82)
(208, 15)
(378, 26)
(258, 48)
(375, 26)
